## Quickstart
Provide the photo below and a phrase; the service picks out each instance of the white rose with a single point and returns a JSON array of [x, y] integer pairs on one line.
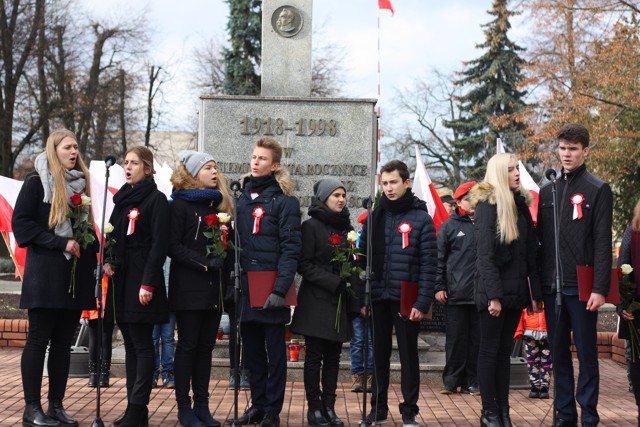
[[108, 228], [224, 217], [86, 200], [352, 236], [626, 269]]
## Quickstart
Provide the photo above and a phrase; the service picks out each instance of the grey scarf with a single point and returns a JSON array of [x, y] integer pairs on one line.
[[75, 183]]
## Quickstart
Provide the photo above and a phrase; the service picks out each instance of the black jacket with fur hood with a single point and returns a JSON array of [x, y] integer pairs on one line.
[[502, 270]]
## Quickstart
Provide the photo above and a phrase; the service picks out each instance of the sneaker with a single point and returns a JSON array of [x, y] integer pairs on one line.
[[544, 393], [168, 381], [409, 420], [376, 418], [448, 390], [534, 393], [154, 383], [472, 390], [369, 382], [356, 387], [245, 384]]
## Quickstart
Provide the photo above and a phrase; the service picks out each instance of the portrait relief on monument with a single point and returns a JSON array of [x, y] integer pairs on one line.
[[287, 21]]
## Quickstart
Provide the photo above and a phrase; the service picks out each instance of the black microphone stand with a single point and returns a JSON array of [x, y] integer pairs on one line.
[[367, 317], [97, 422], [558, 306], [235, 187]]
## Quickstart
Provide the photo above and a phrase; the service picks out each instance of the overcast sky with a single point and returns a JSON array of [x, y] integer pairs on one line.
[[422, 35]]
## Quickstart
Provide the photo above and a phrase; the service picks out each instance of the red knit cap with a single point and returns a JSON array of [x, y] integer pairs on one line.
[[463, 190]]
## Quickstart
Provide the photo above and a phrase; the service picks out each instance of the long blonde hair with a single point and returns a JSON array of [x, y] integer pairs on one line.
[[498, 176], [225, 205], [60, 200], [635, 222]]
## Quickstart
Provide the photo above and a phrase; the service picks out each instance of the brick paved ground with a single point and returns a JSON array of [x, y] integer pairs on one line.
[[617, 407]]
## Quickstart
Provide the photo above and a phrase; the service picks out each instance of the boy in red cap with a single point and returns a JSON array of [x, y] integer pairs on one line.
[[455, 289]]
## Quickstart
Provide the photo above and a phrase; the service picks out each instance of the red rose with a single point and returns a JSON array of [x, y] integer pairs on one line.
[[76, 199], [335, 239], [211, 220]]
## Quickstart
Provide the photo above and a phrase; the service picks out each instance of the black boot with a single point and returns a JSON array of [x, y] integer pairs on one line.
[[187, 417], [57, 412], [504, 416], [118, 421], [104, 373], [93, 374], [490, 419], [35, 416], [316, 418], [204, 414], [332, 417], [136, 416]]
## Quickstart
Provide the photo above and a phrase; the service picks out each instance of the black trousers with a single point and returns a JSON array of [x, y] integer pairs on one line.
[[53, 327], [461, 348], [494, 358], [197, 330], [321, 355], [386, 316], [266, 359], [107, 338], [140, 360]]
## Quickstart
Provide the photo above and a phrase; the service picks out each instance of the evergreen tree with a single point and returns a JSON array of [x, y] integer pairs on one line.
[[242, 59], [488, 108]]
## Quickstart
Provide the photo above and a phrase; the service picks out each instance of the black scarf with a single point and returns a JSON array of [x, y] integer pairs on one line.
[[378, 241], [128, 197], [257, 184], [321, 212]]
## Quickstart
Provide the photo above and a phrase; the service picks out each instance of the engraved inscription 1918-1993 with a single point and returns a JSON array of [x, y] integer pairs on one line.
[[277, 126]]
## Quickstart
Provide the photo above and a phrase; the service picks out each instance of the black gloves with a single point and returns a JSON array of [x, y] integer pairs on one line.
[[215, 263], [273, 302]]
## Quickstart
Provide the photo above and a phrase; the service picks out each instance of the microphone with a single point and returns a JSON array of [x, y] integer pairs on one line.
[[550, 174], [110, 161], [235, 186], [366, 202]]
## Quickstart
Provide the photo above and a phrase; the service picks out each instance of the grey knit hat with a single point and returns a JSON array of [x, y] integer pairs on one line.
[[194, 160], [323, 188]]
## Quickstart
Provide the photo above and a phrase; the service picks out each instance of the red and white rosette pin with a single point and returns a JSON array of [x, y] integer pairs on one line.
[[133, 216], [577, 200], [257, 213], [225, 233], [405, 228]]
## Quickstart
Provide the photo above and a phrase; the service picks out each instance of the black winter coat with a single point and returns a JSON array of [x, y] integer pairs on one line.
[[457, 259], [276, 247], [141, 255], [415, 263], [585, 241], [318, 298], [507, 272], [192, 285], [47, 272]]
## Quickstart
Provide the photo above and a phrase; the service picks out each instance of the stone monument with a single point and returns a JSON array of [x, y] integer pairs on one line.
[[321, 137]]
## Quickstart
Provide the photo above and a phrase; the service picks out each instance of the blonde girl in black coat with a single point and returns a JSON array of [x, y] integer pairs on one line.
[[506, 278]]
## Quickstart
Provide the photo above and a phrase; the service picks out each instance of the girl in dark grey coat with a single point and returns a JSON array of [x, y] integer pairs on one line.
[[506, 278], [323, 301], [40, 224], [197, 280]]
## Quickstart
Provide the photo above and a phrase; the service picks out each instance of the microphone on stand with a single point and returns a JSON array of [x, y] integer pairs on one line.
[[366, 202], [550, 174], [235, 186], [110, 161]]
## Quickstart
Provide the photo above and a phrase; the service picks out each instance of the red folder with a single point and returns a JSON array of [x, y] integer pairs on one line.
[[585, 284], [408, 297], [261, 284]]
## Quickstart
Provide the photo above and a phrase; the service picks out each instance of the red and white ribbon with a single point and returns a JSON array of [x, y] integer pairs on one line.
[[356, 257], [405, 228], [257, 213], [225, 233], [577, 200], [133, 216]]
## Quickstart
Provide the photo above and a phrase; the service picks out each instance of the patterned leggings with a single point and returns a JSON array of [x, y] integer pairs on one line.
[[538, 362]]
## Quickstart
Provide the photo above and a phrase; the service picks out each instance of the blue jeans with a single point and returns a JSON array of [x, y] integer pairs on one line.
[[357, 365], [165, 332]]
